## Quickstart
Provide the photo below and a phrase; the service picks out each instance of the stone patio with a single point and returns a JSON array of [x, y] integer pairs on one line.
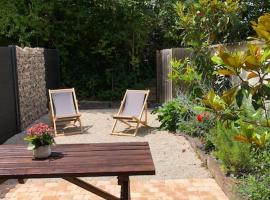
[[179, 172], [182, 189]]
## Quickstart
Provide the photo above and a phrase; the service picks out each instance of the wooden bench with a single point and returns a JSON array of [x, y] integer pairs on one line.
[[70, 161]]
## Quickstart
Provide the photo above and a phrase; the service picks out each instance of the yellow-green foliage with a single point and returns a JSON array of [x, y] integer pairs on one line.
[[249, 134], [255, 62], [262, 28]]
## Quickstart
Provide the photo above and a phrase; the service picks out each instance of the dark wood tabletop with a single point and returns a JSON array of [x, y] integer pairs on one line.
[[78, 160]]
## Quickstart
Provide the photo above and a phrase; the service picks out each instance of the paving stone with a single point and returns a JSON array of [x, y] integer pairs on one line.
[[140, 189]]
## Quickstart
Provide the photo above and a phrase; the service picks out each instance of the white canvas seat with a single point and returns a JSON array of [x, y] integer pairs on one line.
[[64, 107], [132, 108]]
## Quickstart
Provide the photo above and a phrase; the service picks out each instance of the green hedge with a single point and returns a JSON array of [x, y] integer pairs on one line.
[[105, 46]]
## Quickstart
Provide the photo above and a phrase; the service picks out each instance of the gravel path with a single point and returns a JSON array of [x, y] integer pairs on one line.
[[173, 156]]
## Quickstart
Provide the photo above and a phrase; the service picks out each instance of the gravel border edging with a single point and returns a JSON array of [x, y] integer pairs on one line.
[[226, 183], [86, 104]]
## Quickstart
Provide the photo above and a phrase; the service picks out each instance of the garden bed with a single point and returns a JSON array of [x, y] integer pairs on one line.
[[226, 183]]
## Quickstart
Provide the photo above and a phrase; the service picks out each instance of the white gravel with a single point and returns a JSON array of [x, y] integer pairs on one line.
[[173, 156]]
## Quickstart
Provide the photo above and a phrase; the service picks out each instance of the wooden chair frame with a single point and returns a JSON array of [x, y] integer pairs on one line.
[[128, 120], [65, 118]]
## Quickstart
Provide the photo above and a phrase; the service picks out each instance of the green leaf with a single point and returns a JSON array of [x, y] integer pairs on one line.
[[257, 102], [200, 108], [240, 96], [229, 95], [31, 146], [226, 72], [217, 60], [265, 55], [214, 101]]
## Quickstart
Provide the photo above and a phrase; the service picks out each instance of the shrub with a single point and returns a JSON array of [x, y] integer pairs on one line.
[[254, 189], [170, 113], [235, 156], [186, 77], [256, 185], [198, 126]]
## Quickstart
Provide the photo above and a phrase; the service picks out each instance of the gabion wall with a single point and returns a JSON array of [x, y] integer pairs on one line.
[[31, 84]]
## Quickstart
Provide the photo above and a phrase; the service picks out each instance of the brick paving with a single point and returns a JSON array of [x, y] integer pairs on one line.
[[57, 189]]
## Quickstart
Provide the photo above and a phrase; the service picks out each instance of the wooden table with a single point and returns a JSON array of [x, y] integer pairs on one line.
[[70, 161]]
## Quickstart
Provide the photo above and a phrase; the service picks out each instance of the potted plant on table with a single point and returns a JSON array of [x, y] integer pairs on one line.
[[40, 138]]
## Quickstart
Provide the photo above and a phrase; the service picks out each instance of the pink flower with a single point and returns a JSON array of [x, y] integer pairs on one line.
[[39, 130]]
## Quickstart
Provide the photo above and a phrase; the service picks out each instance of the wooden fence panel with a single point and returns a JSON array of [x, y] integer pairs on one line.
[[165, 88]]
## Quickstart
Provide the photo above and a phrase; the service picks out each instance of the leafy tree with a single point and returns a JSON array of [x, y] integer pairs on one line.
[[206, 21], [105, 46], [203, 23]]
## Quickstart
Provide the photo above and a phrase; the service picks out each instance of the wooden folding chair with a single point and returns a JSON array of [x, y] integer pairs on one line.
[[133, 106], [64, 108]]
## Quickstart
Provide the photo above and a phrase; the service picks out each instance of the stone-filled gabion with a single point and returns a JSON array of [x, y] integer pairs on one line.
[[31, 84]]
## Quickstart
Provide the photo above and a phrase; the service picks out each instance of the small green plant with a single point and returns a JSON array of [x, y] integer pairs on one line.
[[253, 189], [170, 113], [197, 126], [185, 72], [256, 185], [235, 157]]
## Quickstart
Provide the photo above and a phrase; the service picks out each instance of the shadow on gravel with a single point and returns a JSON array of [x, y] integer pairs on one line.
[[142, 131]]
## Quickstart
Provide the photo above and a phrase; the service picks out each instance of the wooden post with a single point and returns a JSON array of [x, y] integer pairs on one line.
[[164, 92], [159, 75], [21, 181], [166, 69]]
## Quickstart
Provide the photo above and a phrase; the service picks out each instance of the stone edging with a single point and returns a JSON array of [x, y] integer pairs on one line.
[[84, 104], [226, 183]]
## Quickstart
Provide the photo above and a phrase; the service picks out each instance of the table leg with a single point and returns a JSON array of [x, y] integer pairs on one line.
[[21, 181], [125, 187]]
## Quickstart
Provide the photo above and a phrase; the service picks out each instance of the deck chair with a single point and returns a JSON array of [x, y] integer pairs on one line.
[[64, 108], [132, 108]]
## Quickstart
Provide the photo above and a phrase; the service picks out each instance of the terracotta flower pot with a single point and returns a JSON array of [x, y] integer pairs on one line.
[[42, 152]]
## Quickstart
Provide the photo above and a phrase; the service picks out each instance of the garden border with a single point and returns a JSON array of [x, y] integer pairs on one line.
[[226, 183], [87, 104]]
